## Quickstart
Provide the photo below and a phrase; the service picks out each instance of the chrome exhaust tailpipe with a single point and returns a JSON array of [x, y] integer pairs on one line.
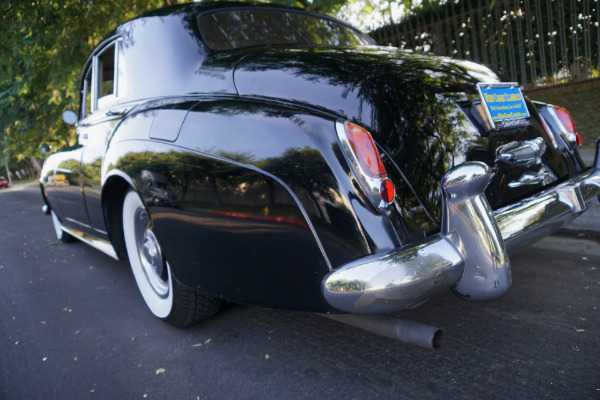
[[408, 332]]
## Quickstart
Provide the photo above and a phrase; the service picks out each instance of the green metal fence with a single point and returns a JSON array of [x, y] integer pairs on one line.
[[534, 42]]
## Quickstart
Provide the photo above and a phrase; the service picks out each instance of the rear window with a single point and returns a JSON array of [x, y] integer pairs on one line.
[[239, 28]]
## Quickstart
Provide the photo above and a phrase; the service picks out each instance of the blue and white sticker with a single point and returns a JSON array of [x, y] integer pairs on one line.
[[504, 104]]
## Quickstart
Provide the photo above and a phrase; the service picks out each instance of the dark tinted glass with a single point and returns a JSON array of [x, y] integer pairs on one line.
[[234, 29]]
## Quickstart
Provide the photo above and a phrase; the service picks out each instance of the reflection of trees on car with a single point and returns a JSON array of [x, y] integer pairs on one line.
[[154, 189], [185, 178]]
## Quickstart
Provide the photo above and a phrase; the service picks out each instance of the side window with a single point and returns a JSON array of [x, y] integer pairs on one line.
[[86, 94], [100, 84], [106, 72]]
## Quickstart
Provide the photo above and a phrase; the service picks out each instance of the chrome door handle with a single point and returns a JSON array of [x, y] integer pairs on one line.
[[523, 153]]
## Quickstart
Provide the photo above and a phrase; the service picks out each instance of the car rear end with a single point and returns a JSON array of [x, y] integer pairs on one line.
[[487, 187], [459, 163]]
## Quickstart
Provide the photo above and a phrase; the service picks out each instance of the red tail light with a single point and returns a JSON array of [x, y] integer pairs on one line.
[[567, 125], [387, 191], [367, 165], [565, 119], [365, 151]]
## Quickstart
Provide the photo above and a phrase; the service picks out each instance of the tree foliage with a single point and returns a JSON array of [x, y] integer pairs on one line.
[[44, 45], [323, 6]]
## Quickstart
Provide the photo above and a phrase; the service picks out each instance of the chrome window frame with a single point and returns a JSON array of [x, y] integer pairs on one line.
[[95, 89]]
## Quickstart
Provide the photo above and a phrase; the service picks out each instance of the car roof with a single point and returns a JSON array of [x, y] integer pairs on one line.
[[193, 9], [214, 5]]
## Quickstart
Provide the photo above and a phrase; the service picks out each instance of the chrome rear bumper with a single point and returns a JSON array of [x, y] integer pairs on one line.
[[530, 220], [470, 255]]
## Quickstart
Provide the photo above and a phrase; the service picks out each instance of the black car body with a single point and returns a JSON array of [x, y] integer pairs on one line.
[[223, 147]]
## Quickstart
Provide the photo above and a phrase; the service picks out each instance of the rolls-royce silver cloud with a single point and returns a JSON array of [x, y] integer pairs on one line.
[[270, 156]]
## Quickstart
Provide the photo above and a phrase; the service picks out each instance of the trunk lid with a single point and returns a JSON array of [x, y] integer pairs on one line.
[[424, 112]]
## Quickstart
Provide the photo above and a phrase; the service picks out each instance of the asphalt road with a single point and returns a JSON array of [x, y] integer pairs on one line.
[[73, 326]]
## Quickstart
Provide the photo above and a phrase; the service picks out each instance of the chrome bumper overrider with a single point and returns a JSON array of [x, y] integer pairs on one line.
[[470, 255]]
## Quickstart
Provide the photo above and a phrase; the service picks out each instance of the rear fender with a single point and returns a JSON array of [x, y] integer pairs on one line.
[[208, 188]]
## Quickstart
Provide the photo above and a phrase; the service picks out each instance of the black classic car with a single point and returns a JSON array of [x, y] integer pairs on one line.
[[270, 156]]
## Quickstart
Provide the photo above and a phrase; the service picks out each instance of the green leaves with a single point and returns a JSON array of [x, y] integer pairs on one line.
[[44, 45]]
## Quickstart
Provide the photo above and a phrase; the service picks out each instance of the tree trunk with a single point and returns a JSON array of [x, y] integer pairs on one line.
[[8, 176], [36, 165], [29, 171]]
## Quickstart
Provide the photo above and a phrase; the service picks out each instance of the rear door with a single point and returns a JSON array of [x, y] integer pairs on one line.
[[67, 183], [78, 175]]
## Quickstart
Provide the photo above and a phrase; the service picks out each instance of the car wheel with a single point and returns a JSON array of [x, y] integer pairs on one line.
[[60, 234], [166, 297]]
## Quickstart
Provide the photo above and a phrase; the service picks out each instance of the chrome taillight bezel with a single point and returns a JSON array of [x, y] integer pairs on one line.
[[570, 137], [371, 186]]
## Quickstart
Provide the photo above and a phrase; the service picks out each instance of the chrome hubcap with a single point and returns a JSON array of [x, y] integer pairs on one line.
[[151, 257]]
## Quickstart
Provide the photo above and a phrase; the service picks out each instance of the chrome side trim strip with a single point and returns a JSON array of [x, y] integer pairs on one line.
[[78, 223], [102, 245]]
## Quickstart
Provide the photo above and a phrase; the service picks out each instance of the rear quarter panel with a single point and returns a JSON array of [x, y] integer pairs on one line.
[[251, 202]]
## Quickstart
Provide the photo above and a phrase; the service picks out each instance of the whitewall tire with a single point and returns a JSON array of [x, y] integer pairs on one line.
[[166, 297], [151, 272]]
